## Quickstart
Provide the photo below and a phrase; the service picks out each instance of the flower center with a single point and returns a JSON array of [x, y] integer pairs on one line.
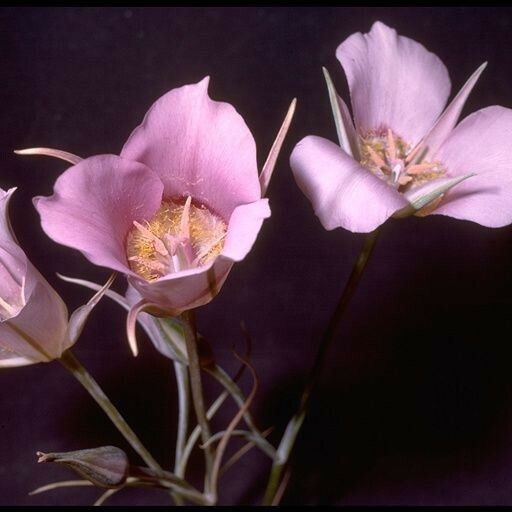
[[390, 158], [180, 236]]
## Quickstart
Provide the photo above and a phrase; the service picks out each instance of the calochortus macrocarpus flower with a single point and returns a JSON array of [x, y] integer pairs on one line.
[[33, 318], [402, 154], [175, 210]]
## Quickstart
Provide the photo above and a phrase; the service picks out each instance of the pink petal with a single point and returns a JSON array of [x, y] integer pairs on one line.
[[342, 192], [6, 231], [481, 143], [169, 343], [94, 205], [184, 290], [33, 317], [38, 332], [180, 291], [394, 82], [13, 273], [244, 226], [199, 148], [10, 360]]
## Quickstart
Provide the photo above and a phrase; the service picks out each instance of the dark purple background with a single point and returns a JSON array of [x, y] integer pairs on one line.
[[415, 402]]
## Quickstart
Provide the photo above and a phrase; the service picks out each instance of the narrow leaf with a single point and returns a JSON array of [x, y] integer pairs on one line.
[[56, 153], [448, 119], [344, 125], [80, 315], [268, 167], [422, 196]]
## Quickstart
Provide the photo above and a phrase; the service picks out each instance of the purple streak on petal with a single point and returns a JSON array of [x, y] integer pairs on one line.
[[38, 332], [244, 226], [394, 82], [94, 205], [199, 148], [14, 347], [448, 119], [481, 144], [342, 192]]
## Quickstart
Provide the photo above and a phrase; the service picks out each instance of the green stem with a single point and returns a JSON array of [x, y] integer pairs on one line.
[[170, 480], [288, 440], [194, 436], [71, 363], [184, 406], [197, 393], [231, 387]]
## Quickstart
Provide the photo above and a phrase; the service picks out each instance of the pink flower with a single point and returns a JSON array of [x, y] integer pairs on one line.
[[402, 155], [33, 318], [175, 210]]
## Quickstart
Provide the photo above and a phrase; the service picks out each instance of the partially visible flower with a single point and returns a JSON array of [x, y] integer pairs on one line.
[[34, 324], [401, 155], [175, 210], [33, 318]]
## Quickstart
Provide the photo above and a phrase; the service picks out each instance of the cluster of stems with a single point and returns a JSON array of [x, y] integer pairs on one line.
[[189, 386]]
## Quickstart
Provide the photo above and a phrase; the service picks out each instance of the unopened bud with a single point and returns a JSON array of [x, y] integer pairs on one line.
[[106, 466]]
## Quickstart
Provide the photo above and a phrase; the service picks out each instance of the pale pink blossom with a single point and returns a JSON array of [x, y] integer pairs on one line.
[[402, 154], [175, 210], [33, 318]]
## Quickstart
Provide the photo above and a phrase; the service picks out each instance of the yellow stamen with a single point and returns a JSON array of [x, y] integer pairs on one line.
[[391, 146], [180, 235], [387, 156]]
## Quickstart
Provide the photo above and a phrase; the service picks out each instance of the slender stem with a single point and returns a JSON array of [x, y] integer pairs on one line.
[[170, 480], [71, 363], [288, 440], [221, 448], [196, 432], [194, 436], [197, 393], [183, 412], [231, 387]]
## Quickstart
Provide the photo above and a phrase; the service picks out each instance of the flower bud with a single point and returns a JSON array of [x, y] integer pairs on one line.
[[106, 466]]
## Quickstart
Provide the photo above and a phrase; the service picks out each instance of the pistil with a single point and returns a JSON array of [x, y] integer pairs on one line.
[[390, 158], [180, 236]]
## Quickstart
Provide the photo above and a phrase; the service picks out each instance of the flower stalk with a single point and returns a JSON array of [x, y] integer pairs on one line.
[[197, 394], [183, 412], [71, 363], [288, 440]]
